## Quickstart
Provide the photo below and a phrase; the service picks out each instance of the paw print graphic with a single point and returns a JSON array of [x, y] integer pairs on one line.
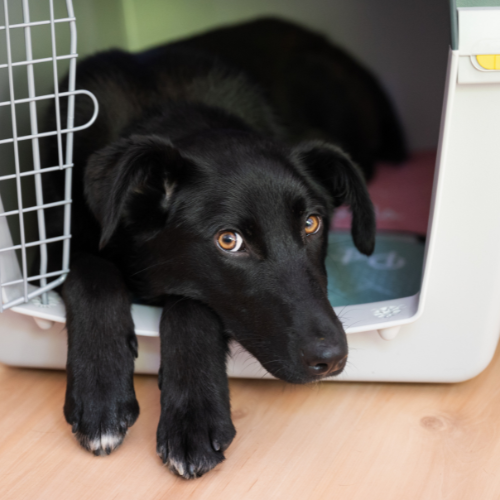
[[387, 311]]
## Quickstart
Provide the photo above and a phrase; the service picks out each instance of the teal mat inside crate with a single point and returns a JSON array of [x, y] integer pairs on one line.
[[394, 270]]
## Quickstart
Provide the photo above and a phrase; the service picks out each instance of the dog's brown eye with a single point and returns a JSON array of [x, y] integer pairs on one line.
[[230, 241], [312, 224]]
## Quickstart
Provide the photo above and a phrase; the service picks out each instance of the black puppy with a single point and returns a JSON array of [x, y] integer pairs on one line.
[[187, 194]]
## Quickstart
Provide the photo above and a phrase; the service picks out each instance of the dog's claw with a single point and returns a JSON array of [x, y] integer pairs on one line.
[[216, 445]]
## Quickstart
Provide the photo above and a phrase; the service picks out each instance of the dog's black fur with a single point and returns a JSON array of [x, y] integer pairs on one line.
[[186, 146]]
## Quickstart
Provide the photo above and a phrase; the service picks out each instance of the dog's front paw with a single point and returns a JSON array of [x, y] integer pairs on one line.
[[100, 423], [192, 442]]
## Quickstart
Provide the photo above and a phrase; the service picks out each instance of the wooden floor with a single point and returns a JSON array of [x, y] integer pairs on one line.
[[328, 441]]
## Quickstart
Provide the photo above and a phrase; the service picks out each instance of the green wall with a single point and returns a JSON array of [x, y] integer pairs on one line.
[[101, 25], [151, 22], [138, 24]]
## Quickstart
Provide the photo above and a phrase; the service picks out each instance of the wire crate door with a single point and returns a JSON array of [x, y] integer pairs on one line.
[[17, 278]]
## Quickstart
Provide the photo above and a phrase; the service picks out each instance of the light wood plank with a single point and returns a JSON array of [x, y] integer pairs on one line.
[[331, 440]]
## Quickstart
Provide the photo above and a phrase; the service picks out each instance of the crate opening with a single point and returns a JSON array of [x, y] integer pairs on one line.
[[362, 286]]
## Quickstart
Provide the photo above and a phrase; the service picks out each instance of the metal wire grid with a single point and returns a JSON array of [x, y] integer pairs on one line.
[[65, 161]]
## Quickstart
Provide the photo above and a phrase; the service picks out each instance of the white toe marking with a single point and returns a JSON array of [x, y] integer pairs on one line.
[[110, 441], [94, 444]]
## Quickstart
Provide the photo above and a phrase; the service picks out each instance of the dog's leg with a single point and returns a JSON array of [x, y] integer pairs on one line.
[[195, 424], [100, 398]]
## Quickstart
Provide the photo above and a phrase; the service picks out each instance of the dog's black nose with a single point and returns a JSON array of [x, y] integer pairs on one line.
[[321, 359]]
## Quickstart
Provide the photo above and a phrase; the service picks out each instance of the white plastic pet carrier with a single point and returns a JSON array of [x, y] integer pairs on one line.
[[447, 331]]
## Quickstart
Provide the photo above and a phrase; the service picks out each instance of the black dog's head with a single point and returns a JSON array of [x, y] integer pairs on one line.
[[240, 224]]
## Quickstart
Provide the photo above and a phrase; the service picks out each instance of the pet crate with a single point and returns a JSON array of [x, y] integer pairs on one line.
[[443, 328]]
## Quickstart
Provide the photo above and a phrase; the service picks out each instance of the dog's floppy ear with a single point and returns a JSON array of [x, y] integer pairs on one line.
[[334, 171], [132, 179]]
